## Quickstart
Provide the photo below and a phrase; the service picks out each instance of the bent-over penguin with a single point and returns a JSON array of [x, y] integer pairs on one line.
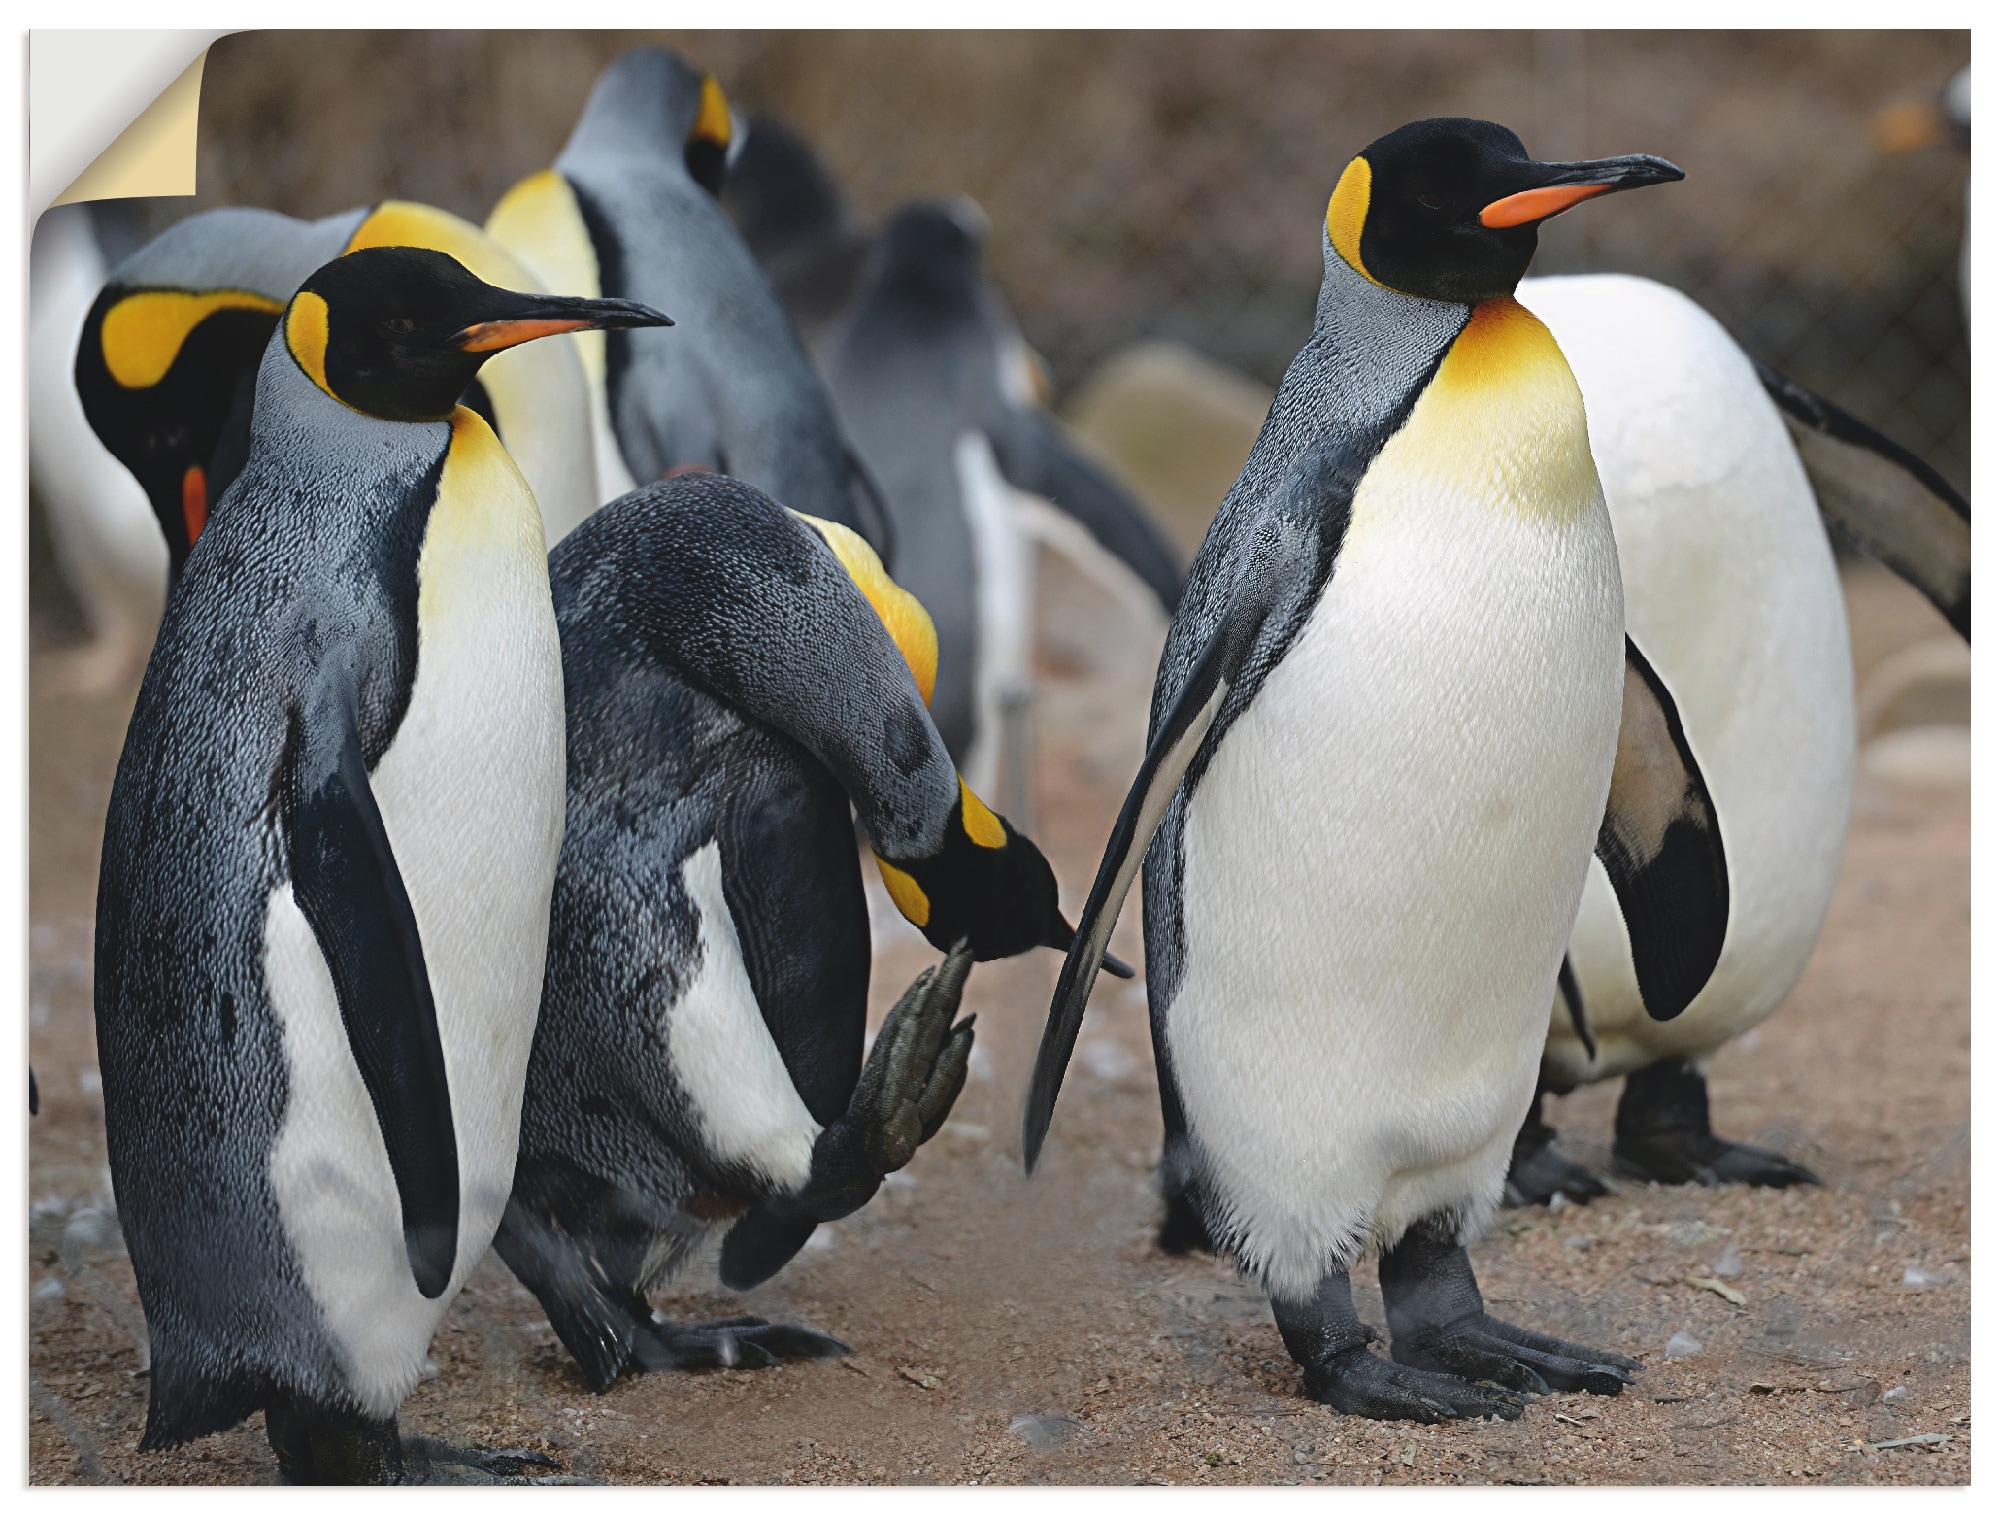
[[735, 675], [930, 380], [1396, 711], [325, 885], [1731, 587], [166, 362], [629, 209]]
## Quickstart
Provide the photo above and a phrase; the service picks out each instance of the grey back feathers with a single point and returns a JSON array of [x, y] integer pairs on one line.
[[729, 388]]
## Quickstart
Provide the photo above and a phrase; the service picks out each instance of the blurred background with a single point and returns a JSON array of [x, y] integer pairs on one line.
[[1166, 188]]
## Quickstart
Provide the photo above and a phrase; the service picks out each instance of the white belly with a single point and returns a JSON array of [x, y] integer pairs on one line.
[[1382, 865], [471, 795], [1732, 592]]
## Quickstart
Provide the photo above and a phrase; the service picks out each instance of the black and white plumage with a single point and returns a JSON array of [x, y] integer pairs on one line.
[[730, 690], [629, 209], [932, 383], [326, 872], [1396, 712]]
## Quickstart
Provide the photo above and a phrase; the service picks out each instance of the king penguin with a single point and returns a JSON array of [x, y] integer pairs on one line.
[[932, 382], [1717, 470], [629, 209], [166, 362], [1396, 713], [736, 675], [324, 893]]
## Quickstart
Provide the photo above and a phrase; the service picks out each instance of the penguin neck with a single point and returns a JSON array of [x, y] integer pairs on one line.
[[638, 110]]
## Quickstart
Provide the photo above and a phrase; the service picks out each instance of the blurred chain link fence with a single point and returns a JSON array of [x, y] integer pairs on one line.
[[1170, 184]]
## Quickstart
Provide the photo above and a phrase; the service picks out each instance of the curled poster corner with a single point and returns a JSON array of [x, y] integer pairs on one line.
[[113, 114]]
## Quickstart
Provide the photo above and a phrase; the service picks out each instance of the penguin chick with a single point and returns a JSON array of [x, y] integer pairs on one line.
[[166, 362], [931, 381], [735, 675], [323, 899], [629, 209], [1396, 712], [1732, 586]]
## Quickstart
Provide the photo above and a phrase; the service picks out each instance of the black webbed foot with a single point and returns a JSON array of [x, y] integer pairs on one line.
[[1330, 1343], [1538, 1172], [740, 1341], [1663, 1134], [316, 1445], [428, 1460], [1438, 1323]]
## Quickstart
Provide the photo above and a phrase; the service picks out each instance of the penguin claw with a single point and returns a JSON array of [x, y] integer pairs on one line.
[[1357, 1382], [1706, 1159], [1524, 1362]]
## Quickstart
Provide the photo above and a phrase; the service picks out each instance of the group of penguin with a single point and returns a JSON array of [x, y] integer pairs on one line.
[[459, 889]]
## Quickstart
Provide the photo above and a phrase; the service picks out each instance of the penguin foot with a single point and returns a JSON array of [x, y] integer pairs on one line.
[[428, 1460], [1438, 1323], [1663, 1134], [1538, 1172], [741, 1341], [1526, 1362], [1357, 1382]]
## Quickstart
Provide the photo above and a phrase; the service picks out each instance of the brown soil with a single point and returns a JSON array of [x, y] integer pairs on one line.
[[974, 1297]]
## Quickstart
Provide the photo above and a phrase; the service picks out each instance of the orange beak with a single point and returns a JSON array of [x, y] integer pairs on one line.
[[496, 336], [1538, 204], [194, 502]]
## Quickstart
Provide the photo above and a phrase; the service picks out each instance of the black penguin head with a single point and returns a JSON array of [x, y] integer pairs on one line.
[[1447, 209], [651, 98], [165, 376], [400, 332], [935, 250]]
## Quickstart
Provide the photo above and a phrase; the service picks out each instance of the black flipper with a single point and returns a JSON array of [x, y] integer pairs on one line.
[[1173, 748], [1883, 498], [1661, 845], [1047, 463], [346, 883]]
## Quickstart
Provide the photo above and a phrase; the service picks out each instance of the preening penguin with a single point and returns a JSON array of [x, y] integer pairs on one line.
[[629, 209], [1732, 588], [1396, 712], [735, 675], [324, 893], [931, 382], [166, 363]]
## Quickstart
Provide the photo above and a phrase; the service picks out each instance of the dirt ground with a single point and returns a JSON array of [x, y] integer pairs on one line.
[[1009, 1331]]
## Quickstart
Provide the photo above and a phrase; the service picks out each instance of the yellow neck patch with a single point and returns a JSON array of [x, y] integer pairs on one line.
[[1504, 417], [907, 893], [981, 824], [1345, 214], [909, 624], [144, 332], [711, 122], [404, 223], [306, 335]]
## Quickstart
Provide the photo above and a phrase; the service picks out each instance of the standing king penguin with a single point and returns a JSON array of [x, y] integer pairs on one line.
[[1396, 712], [167, 359], [629, 209], [931, 381], [325, 885], [735, 675]]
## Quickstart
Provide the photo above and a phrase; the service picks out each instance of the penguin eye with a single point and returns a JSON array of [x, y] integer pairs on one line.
[[400, 325], [1429, 201]]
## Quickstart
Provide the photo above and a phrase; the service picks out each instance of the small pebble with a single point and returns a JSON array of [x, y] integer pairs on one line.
[[1559, 1202], [48, 1290], [1730, 1264], [1681, 1344], [1043, 1430], [1917, 1278], [1578, 1243], [90, 1081], [1896, 1395]]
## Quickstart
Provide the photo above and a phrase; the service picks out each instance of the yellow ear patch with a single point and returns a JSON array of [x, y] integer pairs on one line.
[[305, 336], [711, 122], [908, 895], [1347, 211], [404, 223], [981, 824], [902, 613], [144, 332]]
